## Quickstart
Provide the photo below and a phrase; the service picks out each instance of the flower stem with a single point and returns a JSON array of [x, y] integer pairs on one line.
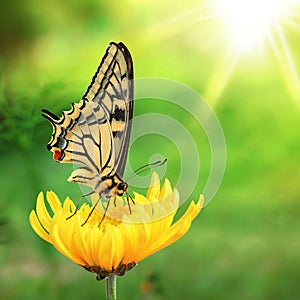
[[111, 287]]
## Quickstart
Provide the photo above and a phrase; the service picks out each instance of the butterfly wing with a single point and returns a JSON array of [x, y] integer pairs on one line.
[[95, 133], [112, 89], [82, 136]]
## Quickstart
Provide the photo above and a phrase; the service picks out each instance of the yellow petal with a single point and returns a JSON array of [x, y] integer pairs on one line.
[[131, 246], [42, 212], [165, 190], [93, 243], [61, 247], [82, 239], [106, 247], [69, 235], [117, 248], [53, 201], [154, 188], [172, 236], [37, 227], [69, 206]]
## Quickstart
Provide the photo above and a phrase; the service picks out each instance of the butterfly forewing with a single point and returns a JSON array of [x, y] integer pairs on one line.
[[112, 88], [95, 133]]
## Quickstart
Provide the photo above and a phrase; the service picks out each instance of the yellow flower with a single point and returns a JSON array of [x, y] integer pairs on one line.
[[122, 239]]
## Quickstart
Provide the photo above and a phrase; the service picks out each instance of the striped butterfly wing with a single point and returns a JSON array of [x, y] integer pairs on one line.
[[95, 133], [112, 89]]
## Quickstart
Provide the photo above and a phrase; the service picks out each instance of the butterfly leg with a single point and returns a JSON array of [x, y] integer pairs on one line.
[[106, 208], [128, 197], [73, 214], [88, 194], [92, 210]]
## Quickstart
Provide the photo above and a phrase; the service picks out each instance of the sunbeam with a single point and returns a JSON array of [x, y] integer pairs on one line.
[[221, 76], [286, 63], [181, 22], [250, 19], [252, 23]]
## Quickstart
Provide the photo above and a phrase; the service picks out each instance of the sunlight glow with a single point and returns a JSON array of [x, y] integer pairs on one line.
[[252, 24], [251, 19], [252, 29]]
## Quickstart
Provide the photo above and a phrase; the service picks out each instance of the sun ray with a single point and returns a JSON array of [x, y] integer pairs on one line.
[[286, 64], [294, 25], [221, 77], [179, 23], [251, 24]]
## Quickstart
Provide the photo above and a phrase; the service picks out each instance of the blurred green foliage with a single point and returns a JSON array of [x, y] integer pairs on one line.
[[245, 244]]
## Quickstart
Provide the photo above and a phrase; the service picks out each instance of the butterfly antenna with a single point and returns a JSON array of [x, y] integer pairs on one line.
[[146, 167]]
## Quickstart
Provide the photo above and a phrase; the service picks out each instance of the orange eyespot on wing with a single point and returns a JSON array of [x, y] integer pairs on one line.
[[56, 154]]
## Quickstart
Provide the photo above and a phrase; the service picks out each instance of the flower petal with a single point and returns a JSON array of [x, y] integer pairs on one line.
[[38, 228], [42, 212], [154, 189], [62, 247], [53, 201], [106, 247], [165, 190], [131, 245], [117, 248]]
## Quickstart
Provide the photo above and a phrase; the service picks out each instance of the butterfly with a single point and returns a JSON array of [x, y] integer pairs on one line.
[[95, 133]]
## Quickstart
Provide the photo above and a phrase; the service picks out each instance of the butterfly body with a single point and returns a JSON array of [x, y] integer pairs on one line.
[[94, 134]]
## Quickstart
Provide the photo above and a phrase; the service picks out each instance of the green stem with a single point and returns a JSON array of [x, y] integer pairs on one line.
[[111, 287]]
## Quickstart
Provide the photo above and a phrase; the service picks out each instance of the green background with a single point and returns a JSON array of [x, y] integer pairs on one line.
[[245, 243]]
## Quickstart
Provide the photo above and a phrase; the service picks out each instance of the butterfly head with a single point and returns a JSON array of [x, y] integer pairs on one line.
[[121, 188]]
